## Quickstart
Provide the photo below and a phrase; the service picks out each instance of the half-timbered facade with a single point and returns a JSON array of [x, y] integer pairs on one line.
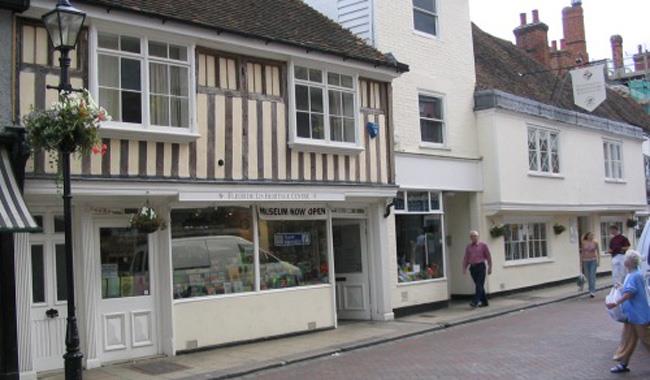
[[268, 156]]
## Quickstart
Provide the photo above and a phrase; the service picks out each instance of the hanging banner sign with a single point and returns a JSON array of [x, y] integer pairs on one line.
[[589, 86]]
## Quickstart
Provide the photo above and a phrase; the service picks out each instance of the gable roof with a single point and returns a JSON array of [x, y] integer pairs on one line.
[[499, 65], [290, 22]]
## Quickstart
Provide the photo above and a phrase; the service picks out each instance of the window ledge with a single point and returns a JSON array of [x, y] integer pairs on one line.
[[545, 175], [430, 36], [324, 147], [135, 131], [422, 282], [434, 146], [615, 181], [253, 293], [518, 263]]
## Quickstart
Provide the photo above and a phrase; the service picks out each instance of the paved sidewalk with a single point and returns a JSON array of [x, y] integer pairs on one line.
[[228, 362]]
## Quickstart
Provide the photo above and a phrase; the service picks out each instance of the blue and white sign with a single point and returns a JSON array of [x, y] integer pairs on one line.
[[291, 239]]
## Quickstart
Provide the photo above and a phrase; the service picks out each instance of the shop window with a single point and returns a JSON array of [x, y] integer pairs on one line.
[[293, 253], [417, 201], [419, 247], [604, 233], [525, 241], [212, 251], [125, 262], [543, 151]]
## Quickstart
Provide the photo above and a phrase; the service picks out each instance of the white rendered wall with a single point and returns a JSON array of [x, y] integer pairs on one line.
[[223, 320], [581, 185]]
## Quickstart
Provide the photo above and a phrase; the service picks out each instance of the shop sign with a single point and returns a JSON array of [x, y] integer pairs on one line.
[[589, 86], [291, 239], [293, 211], [260, 196]]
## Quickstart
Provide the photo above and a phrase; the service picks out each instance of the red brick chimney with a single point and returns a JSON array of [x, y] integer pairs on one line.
[[533, 38], [642, 60], [574, 31], [617, 53]]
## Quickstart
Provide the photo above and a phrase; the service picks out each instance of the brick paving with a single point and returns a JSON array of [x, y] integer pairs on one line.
[[569, 340]]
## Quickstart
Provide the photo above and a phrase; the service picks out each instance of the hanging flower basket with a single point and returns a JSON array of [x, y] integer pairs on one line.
[[558, 229], [631, 223], [147, 220], [498, 231], [70, 125]]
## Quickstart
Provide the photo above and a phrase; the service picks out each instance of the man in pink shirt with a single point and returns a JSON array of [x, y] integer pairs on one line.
[[477, 254]]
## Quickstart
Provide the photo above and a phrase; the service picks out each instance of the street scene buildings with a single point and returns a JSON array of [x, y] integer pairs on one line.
[[307, 163]]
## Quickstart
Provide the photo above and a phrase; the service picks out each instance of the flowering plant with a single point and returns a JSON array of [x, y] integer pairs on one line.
[[558, 229], [147, 220], [70, 125], [498, 231]]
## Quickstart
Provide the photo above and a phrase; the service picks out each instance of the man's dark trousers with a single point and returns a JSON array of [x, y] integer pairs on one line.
[[478, 275]]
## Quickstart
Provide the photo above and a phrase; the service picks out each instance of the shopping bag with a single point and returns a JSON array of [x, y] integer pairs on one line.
[[581, 281], [616, 313]]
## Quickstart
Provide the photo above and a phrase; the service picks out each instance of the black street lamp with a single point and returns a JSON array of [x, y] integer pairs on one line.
[[63, 26]]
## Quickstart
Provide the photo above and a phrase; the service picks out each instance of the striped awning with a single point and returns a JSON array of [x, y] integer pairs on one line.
[[14, 216]]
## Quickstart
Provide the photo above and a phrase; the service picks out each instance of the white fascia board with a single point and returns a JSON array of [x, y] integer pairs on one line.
[[225, 41], [497, 207]]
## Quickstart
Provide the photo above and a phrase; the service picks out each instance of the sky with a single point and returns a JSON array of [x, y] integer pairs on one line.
[[603, 18]]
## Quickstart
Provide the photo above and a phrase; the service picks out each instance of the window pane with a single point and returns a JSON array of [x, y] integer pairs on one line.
[[418, 201], [158, 49], [302, 124], [38, 274], [178, 52], [178, 78], [335, 103], [316, 95], [125, 262], [430, 107], [212, 251], [130, 74], [424, 22], [158, 81], [298, 260], [59, 224], [61, 272], [334, 79], [108, 41], [336, 129], [315, 76], [317, 127], [300, 73], [431, 131], [435, 201], [428, 5], [110, 100], [346, 81], [159, 110], [180, 113], [399, 201], [419, 247], [347, 248], [108, 68], [302, 98], [130, 44], [349, 129], [131, 107], [348, 104]]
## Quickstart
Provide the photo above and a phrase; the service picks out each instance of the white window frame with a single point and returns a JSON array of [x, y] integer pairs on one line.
[[144, 130], [548, 131], [603, 238], [435, 14], [326, 145], [609, 162], [443, 100], [528, 223], [431, 210]]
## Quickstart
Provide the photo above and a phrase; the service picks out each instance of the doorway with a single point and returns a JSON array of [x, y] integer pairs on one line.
[[127, 309], [351, 269]]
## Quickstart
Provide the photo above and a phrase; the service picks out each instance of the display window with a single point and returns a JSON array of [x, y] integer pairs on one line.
[[419, 235]]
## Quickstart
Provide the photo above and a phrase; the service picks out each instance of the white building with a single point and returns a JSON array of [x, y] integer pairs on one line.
[[437, 160]]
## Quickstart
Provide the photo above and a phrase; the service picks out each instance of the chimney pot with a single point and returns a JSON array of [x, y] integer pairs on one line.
[[640, 49], [554, 45], [523, 19], [562, 44], [535, 15]]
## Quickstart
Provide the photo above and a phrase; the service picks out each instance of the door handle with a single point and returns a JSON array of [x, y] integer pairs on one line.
[[341, 279], [52, 313]]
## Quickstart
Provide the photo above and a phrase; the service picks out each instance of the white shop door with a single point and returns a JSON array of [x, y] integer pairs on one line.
[[351, 269], [49, 306], [127, 317]]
